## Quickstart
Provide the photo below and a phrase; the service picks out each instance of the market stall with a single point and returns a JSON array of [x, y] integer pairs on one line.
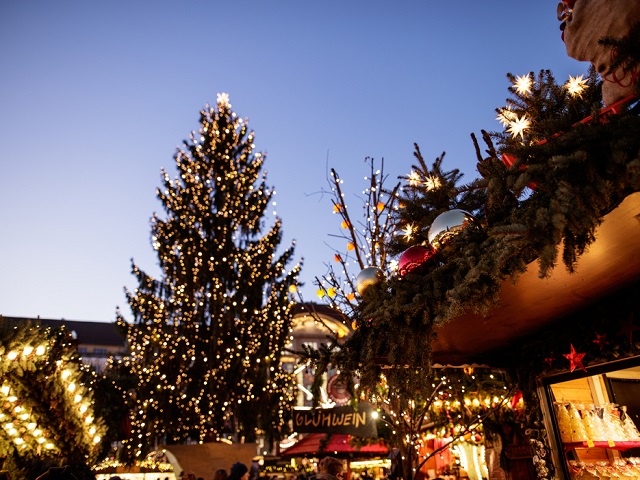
[[573, 340], [366, 457]]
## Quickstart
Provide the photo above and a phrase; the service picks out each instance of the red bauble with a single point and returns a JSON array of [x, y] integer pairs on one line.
[[414, 258]]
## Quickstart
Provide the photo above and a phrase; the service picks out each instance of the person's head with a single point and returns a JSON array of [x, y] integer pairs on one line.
[[220, 474], [239, 471], [330, 465]]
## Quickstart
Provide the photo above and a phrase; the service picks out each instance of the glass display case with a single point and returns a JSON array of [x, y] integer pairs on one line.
[[593, 420]]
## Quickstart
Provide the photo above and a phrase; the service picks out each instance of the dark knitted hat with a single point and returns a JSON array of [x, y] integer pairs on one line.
[[238, 470]]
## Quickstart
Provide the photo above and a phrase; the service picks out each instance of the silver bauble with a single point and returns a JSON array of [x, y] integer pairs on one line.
[[449, 224], [367, 277]]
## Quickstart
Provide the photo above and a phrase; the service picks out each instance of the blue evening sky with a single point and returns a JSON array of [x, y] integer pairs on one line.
[[95, 97]]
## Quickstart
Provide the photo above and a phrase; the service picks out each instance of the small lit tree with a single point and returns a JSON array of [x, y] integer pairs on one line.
[[364, 243], [384, 361]]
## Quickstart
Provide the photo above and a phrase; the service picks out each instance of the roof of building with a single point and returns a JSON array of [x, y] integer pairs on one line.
[[307, 314], [91, 333], [106, 333], [320, 309], [338, 445]]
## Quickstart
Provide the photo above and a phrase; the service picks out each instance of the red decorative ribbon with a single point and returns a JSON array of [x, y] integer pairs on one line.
[[509, 160]]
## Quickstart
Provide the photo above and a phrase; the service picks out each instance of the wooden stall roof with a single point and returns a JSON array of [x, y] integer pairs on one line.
[[611, 262], [339, 445]]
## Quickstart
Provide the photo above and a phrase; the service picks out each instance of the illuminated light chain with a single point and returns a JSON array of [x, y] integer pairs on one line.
[[16, 413], [479, 468], [18, 422], [83, 403], [148, 464]]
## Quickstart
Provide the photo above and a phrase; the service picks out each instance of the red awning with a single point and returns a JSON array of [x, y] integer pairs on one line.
[[318, 444]]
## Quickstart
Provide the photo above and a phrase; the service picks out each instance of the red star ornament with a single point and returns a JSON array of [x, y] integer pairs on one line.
[[575, 359], [601, 340]]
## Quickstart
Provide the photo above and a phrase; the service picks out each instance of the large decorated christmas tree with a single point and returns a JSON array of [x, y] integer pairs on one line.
[[207, 335]]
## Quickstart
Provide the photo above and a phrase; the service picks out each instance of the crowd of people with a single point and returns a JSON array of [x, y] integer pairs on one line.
[[238, 471], [329, 468]]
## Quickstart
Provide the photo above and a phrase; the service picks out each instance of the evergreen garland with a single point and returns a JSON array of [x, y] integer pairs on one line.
[[567, 175], [546, 182]]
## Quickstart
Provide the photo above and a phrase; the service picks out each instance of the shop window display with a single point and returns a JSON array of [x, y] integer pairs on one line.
[[595, 421]]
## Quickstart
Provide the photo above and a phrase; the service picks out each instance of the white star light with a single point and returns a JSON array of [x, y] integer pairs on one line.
[[432, 183], [223, 99], [576, 85], [518, 126], [413, 178], [523, 84], [506, 116], [408, 232]]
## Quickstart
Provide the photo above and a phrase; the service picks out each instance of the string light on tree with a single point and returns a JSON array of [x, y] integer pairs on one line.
[[364, 240], [222, 308], [222, 99]]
